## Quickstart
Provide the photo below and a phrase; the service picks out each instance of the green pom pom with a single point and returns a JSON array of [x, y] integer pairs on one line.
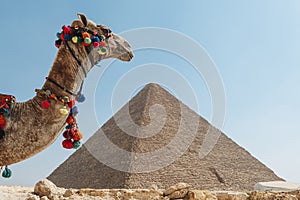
[[79, 39], [87, 40], [58, 35], [76, 144], [102, 37], [69, 126], [6, 173]]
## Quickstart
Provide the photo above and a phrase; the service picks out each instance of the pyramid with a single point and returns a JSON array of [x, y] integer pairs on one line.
[[155, 140]]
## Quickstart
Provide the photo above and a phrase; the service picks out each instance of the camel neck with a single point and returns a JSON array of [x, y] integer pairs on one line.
[[69, 70]]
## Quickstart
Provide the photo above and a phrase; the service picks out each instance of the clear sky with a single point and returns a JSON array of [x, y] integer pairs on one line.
[[254, 44]]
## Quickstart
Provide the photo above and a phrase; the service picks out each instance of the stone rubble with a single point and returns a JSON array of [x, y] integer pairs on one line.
[[46, 190]]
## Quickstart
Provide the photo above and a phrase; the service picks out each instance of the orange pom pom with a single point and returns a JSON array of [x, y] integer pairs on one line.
[[77, 135], [86, 35]]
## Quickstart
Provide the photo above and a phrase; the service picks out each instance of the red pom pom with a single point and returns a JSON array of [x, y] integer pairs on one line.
[[2, 121], [67, 30], [62, 36], [70, 120], [46, 104], [85, 44], [68, 144], [96, 44], [102, 44], [69, 134], [71, 104]]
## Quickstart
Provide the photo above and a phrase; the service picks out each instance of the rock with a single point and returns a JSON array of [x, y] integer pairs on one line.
[[45, 188], [68, 193], [257, 195], [201, 195], [177, 187], [32, 197], [231, 195], [179, 194], [276, 186]]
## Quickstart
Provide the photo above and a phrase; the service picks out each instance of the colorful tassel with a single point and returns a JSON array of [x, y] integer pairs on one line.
[[6, 173]]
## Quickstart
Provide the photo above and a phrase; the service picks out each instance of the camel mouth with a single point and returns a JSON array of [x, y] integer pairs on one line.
[[127, 57]]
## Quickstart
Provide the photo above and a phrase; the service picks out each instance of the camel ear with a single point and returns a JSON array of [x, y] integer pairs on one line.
[[83, 19], [77, 23]]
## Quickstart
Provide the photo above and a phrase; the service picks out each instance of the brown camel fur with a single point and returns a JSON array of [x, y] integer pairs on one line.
[[30, 128]]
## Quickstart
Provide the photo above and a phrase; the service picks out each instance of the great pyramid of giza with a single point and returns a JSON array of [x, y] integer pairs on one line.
[[155, 140]]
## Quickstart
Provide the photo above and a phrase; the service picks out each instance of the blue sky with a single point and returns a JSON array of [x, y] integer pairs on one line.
[[254, 44]]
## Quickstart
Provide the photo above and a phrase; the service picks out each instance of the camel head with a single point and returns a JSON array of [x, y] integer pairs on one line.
[[117, 47]]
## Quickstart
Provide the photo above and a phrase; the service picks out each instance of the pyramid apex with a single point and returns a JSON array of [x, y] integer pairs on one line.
[[153, 86]]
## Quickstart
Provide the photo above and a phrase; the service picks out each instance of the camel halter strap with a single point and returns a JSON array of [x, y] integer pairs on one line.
[[64, 88], [88, 39]]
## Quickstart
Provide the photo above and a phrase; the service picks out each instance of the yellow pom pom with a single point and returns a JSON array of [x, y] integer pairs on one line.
[[75, 39], [63, 111]]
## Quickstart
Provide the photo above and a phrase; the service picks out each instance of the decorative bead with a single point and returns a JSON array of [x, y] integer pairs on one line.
[[6, 173], [76, 144], [85, 35], [95, 33], [76, 27], [75, 39], [46, 104], [68, 144], [58, 35], [63, 111]]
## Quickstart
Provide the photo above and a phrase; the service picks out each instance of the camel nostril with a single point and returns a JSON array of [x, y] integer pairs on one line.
[[131, 55]]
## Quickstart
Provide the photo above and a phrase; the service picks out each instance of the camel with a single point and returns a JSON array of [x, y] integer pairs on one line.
[[31, 127]]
